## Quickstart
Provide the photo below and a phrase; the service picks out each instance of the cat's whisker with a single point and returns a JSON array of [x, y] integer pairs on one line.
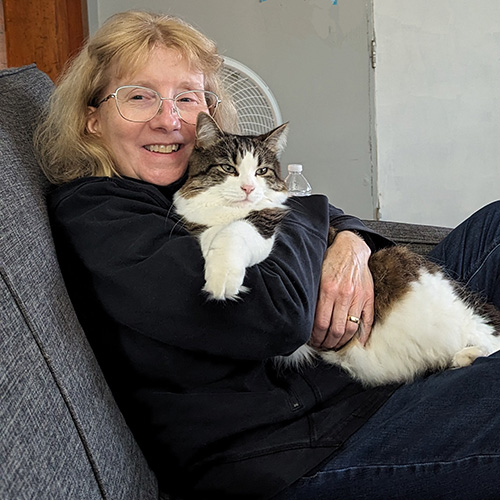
[[180, 221], [170, 210], [174, 226]]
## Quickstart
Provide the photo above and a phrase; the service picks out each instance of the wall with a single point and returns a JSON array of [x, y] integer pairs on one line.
[[314, 56], [437, 98]]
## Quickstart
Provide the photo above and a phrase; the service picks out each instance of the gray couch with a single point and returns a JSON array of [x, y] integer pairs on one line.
[[61, 433]]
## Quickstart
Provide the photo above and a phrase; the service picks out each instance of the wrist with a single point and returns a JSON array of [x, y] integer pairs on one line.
[[356, 241]]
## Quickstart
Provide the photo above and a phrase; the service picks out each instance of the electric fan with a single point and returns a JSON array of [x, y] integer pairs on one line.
[[257, 108]]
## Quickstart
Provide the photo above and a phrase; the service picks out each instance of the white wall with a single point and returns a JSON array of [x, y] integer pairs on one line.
[[437, 87], [314, 57]]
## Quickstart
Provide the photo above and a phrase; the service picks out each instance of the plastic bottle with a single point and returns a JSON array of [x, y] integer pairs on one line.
[[295, 181]]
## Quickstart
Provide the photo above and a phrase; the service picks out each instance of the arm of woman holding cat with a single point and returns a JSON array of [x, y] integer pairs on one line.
[[152, 273], [346, 287]]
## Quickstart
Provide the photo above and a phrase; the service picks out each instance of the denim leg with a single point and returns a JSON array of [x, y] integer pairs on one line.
[[471, 252], [438, 437]]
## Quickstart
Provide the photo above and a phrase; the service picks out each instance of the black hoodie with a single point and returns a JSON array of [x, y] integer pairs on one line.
[[192, 377]]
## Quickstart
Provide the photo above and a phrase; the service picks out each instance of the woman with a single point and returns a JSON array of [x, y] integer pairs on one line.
[[214, 418]]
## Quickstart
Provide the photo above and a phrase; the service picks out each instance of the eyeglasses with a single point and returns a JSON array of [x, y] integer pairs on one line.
[[140, 104]]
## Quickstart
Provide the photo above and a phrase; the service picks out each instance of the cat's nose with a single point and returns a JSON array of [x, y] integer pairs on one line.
[[247, 188]]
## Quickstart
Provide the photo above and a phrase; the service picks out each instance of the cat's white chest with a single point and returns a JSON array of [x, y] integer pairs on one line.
[[209, 208], [230, 243]]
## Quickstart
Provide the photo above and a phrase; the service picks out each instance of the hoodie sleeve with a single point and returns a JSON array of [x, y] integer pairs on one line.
[[342, 222]]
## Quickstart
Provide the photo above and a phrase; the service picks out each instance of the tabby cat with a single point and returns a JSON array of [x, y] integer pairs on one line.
[[423, 320]]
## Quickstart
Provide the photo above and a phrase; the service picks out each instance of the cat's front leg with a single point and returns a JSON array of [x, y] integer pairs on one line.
[[228, 251]]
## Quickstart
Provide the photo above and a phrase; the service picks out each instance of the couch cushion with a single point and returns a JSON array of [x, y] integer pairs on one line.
[[61, 434], [420, 238]]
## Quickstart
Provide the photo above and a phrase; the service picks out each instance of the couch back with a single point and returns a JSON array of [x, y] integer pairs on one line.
[[61, 433], [420, 238]]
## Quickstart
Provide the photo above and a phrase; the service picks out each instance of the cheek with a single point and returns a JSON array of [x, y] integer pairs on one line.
[[189, 135], [120, 142], [118, 146], [111, 130], [122, 136], [188, 149]]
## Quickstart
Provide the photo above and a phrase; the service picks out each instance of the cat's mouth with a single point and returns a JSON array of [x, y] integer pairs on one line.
[[248, 200], [163, 148], [239, 203]]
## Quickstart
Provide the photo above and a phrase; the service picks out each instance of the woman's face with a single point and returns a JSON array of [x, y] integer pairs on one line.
[[156, 151]]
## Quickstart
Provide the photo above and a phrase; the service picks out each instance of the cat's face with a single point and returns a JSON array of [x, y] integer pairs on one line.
[[233, 170]]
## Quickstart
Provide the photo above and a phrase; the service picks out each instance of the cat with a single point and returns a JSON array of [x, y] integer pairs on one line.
[[234, 192], [424, 321]]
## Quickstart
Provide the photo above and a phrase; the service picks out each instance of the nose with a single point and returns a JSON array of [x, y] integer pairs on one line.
[[247, 188], [167, 116]]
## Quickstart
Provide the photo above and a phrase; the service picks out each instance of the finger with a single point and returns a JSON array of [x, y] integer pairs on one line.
[[324, 312], [352, 325], [364, 334], [366, 322], [353, 322], [322, 320], [349, 333], [345, 329], [339, 332], [347, 325]]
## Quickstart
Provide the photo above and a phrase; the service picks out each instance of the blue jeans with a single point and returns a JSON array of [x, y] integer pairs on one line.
[[438, 437], [471, 253]]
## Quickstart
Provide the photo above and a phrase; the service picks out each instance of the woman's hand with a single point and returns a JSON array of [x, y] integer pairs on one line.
[[346, 289]]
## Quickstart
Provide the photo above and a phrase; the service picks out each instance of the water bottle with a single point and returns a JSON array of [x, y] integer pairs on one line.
[[296, 182]]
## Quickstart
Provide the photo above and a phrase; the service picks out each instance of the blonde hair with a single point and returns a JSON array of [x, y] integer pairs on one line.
[[66, 149]]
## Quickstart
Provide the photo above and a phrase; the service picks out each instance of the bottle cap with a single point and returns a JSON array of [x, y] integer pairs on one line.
[[295, 167]]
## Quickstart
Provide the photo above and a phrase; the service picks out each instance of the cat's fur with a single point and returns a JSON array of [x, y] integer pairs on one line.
[[233, 194], [423, 321]]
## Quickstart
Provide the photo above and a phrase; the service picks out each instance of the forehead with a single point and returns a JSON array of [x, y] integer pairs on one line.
[[249, 162], [161, 67]]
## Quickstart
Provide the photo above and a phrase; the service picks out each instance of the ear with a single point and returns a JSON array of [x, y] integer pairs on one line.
[[207, 131], [93, 122], [276, 139]]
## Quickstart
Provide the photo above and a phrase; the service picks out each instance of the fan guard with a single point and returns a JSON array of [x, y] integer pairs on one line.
[[257, 108]]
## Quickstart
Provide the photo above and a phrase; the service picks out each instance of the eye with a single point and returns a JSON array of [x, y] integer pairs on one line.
[[261, 171], [188, 98], [229, 169], [134, 95]]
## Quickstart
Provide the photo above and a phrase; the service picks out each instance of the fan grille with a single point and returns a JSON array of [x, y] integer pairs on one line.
[[256, 113]]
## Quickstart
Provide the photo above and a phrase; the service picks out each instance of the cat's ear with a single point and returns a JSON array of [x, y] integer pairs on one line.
[[207, 131], [276, 139]]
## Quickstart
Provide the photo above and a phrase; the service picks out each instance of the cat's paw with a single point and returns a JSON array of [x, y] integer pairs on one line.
[[224, 283], [466, 356]]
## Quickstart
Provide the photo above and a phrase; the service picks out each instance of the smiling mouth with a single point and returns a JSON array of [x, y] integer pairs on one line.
[[162, 148]]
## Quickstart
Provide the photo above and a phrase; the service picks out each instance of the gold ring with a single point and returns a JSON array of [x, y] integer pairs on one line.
[[354, 319]]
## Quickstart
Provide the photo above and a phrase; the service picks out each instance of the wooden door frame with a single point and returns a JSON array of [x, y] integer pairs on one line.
[[45, 32]]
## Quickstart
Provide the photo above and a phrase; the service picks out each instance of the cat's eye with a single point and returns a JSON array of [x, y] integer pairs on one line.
[[261, 171], [229, 169]]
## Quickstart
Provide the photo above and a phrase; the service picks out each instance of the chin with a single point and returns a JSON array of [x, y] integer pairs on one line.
[[164, 178]]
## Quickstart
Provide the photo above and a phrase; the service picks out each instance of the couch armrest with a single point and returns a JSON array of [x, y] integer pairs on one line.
[[419, 237]]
